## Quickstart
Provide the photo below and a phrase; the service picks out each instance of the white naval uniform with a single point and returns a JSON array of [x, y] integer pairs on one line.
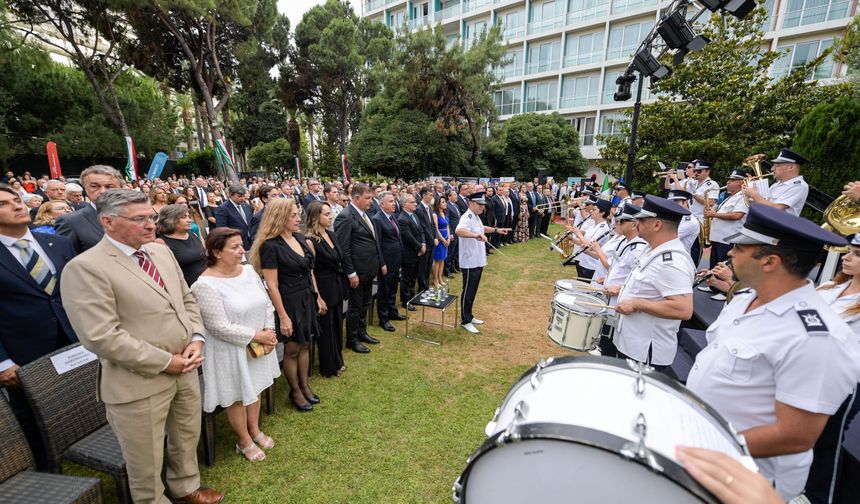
[[473, 253], [664, 271], [584, 225], [623, 264], [688, 231], [699, 189], [721, 229], [795, 350], [596, 232], [792, 192], [610, 248], [840, 304]]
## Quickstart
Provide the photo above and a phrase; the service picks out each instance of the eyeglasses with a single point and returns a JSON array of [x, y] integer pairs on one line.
[[140, 220]]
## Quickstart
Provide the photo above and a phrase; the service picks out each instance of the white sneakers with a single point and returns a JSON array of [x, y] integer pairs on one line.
[[704, 288], [471, 328], [477, 321], [719, 297]]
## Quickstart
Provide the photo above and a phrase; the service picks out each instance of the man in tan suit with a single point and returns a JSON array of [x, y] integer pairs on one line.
[[128, 302]]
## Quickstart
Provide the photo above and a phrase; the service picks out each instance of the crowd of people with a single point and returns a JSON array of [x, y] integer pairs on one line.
[[165, 279]]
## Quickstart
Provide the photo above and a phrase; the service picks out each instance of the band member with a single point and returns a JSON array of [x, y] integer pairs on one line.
[[790, 190], [473, 256], [728, 217], [705, 192], [779, 360], [637, 198], [622, 190], [689, 227], [599, 232], [681, 177], [658, 294]]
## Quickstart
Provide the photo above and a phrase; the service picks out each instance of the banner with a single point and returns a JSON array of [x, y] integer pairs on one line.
[[224, 160], [298, 168], [483, 180], [131, 156], [506, 179], [573, 180], [345, 166], [157, 165], [54, 161]]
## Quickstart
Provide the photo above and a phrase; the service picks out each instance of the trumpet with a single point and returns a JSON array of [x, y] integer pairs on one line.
[[550, 206], [662, 173]]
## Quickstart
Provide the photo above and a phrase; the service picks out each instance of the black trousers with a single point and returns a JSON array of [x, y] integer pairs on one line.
[[719, 252], [386, 296], [408, 274], [828, 455], [661, 369], [452, 262], [425, 263], [696, 252], [356, 313], [534, 225], [471, 280], [544, 223], [584, 272]]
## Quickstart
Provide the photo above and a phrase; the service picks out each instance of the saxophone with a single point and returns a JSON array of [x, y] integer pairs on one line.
[[705, 228]]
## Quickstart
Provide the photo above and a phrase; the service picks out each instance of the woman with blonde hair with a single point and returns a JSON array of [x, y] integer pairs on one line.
[[48, 212], [281, 254], [158, 198]]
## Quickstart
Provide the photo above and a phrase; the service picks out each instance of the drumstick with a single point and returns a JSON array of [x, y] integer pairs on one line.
[[595, 305], [589, 287], [494, 248]]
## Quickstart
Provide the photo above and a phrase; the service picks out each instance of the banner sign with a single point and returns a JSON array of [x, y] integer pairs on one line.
[[506, 179], [54, 161], [157, 165]]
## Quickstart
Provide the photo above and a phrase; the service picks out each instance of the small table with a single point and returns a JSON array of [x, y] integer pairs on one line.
[[443, 305]]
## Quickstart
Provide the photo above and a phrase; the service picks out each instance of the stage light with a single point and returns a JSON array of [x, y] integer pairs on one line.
[[624, 83], [678, 34], [647, 65], [737, 8]]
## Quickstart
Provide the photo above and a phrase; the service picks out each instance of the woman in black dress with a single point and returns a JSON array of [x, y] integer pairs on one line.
[[286, 262], [174, 230], [328, 271]]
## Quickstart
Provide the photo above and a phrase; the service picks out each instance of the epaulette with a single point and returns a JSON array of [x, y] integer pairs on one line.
[[667, 256], [812, 322]]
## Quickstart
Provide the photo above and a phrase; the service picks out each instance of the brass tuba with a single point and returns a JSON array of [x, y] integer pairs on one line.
[[753, 162], [842, 217]]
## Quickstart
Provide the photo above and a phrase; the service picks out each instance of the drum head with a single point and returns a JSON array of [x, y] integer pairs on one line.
[[570, 300], [566, 285]]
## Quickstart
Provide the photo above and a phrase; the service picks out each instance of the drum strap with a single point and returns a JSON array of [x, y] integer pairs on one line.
[[632, 245]]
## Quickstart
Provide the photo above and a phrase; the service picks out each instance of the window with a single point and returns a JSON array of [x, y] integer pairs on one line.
[[583, 49], [514, 24], [767, 24], [611, 125], [546, 16], [619, 6], [397, 19], [586, 10], [470, 5], [448, 10], [515, 66], [420, 15], [585, 127], [507, 101], [623, 40], [541, 96], [474, 32], [578, 91], [544, 56], [804, 12], [800, 54]]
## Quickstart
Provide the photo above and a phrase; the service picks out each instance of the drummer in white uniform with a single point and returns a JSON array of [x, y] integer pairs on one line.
[[779, 360], [658, 294], [789, 192], [689, 227]]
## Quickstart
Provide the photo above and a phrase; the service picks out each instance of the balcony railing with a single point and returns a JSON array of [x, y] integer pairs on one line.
[[546, 24], [509, 71], [579, 101], [447, 12], [420, 21], [816, 14], [373, 5], [539, 105], [582, 58], [619, 6], [585, 15], [543, 66], [471, 5], [514, 32]]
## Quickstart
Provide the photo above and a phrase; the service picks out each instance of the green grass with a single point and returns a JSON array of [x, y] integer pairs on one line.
[[400, 423]]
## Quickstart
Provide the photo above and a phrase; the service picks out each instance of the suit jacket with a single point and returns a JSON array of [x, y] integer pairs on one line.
[[374, 208], [310, 198], [427, 225], [360, 249], [412, 237], [462, 204], [454, 215], [120, 314], [227, 216], [515, 201], [255, 224], [82, 228], [34, 321], [389, 241], [500, 209]]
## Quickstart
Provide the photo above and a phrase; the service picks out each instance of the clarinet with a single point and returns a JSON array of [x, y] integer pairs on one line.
[[709, 274], [604, 235]]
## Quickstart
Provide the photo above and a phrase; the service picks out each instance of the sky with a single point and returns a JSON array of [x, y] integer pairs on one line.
[[295, 9]]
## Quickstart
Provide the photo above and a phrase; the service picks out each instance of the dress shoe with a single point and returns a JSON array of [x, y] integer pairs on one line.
[[411, 308], [358, 348], [202, 495], [304, 408], [366, 338], [472, 329], [397, 316], [313, 399], [387, 326]]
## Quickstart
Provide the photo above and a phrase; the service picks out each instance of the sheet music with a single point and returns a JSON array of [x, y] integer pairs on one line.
[[763, 187]]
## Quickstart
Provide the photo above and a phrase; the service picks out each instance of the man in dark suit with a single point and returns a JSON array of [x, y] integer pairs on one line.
[[547, 214], [362, 258], [235, 213], [34, 321], [534, 198], [392, 255], [514, 196], [414, 248], [82, 228], [501, 211], [452, 261], [462, 194], [313, 193], [265, 193], [424, 212]]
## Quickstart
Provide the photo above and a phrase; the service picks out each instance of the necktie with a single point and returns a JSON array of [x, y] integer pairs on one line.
[[394, 225], [149, 268], [412, 216], [35, 266], [367, 221], [241, 213]]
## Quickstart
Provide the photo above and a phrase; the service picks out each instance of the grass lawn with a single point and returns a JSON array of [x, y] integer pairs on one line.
[[400, 423]]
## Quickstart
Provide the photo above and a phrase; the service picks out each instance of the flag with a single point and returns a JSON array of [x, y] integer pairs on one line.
[[157, 165], [224, 160], [345, 166], [298, 168], [605, 187], [54, 161], [131, 156]]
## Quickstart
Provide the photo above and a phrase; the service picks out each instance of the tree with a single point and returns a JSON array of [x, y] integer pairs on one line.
[[528, 143], [829, 136], [721, 104], [277, 157]]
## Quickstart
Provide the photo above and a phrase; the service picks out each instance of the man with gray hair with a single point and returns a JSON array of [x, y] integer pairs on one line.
[[236, 213], [129, 305], [83, 227], [55, 190], [74, 196]]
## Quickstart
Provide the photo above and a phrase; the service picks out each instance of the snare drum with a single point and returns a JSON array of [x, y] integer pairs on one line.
[[574, 326], [570, 285], [594, 430]]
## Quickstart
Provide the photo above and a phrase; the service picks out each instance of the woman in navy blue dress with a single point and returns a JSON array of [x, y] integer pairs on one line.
[[440, 251]]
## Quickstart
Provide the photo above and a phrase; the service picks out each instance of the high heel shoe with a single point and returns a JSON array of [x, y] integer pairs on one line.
[[313, 399], [248, 452], [302, 407]]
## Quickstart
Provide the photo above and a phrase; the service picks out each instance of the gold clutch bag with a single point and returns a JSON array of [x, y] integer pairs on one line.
[[255, 349]]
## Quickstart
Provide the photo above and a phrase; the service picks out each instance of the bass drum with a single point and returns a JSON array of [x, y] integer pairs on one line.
[[573, 325], [591, 429]]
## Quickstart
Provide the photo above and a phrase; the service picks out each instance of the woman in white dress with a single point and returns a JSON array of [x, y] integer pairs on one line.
[[236, 312]]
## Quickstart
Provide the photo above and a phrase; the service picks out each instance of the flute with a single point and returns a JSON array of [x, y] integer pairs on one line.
[[708, 274], [604, 235]]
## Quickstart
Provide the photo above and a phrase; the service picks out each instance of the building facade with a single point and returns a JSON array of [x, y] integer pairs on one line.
[[566, 54]]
